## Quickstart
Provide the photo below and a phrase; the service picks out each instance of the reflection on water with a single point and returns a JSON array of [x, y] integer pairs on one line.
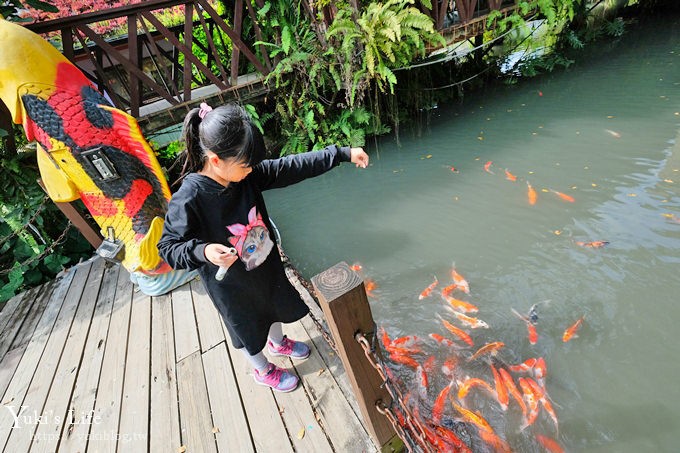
[[604, 132]]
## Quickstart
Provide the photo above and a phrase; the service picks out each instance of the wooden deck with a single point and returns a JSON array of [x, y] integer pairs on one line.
[[89, 364]]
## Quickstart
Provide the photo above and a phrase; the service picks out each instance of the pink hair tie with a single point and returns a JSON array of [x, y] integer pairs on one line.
[[205, 108]]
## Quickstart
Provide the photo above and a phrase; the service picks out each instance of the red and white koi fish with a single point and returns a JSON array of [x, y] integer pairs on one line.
[[444, 341], [405, 342], [544, 400], [489, 348], [449, 366], [527, 365], [427, 291], [461, 305], [465, 387], [564, 196], [512, 389], [531, 194], [469, 321], [509, 176], [460, 333], [593, 244], [423, 382], [532, 402], [501, 389], [449, 289], [549, 444], [460, 281], [540, 370], [356, 267], [487, 166], [571, 331]]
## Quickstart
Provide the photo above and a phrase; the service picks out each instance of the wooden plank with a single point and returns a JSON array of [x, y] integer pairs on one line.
[[303, 428], [8, 309], [32, 397], [229, 416], [343, 300], [186, 333], [74, 437], [104, 434], [21, 377], [164, 430], [266, 426], [208, 319], [194, 406], [343, 427], [8, 334], [11, 360], [133, 430], [47, 435]]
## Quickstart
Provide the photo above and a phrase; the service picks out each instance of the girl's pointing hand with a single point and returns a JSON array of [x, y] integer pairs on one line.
[[359, 157]]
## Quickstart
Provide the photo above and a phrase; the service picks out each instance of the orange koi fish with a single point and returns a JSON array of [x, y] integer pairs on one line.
[[549, 444], [531, 193], [404, 350], [527, 365], [370, 286], [571, 331], [428, 365], [487, 166], [495, 441], [356, 267], [444, 341], [469, 321], [406, 341], [489, 348], [512, 389], [531, 400], [427, 291], [531, 328], [564, 196], [452, 439], [461, 305], [438, 406], [501, 390], [509, 176], [387, 343], [460, 333], [449, 289], [593, 244], [404, 360], [474, 418], [460, 281], [465, 387]]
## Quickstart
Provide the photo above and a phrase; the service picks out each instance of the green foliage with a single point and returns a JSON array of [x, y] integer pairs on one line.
[[12, 10], [29, 227]]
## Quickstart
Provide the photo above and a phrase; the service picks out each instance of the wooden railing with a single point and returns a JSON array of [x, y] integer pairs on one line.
[[450, 15], [158, 62]]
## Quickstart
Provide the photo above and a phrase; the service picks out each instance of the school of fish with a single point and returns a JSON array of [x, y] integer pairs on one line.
[[459, 412]]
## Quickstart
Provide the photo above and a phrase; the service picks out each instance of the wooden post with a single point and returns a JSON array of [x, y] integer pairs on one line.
[[343, 299]]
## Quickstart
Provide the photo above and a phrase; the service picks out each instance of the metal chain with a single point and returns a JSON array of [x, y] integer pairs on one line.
[[414, 434], [310, 289], [45, 252], [30, 221]]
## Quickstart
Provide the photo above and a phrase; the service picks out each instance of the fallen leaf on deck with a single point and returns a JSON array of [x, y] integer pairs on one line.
[[215, 430], [301, 433], [182, 449], [318, 373]]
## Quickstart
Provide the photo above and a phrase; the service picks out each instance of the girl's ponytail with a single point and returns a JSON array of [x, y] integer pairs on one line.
[[193, 154]]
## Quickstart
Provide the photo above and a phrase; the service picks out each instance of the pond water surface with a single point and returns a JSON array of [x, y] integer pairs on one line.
[[605, 132]]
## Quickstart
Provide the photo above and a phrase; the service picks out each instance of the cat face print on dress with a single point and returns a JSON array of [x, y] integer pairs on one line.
[[251, 241]]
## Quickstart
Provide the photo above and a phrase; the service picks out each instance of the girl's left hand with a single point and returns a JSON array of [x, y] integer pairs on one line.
[[359, 157]]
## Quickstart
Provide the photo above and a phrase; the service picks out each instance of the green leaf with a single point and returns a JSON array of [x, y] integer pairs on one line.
[[286, 38], [43, 6]]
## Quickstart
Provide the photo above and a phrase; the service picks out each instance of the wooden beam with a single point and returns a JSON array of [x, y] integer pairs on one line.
[[343, 299]]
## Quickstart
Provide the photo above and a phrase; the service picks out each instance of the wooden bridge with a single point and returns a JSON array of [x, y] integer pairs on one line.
[[88, 363], [158, 72]]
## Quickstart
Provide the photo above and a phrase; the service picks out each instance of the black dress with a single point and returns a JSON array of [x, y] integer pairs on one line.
[[255, 292]]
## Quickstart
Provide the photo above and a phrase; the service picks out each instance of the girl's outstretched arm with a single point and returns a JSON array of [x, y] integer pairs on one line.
[[282, 172]]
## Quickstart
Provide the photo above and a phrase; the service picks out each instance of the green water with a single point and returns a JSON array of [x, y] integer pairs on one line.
[[409, 217]]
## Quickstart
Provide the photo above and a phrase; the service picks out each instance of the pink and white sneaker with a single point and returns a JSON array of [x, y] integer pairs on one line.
[[289, 348], [277, 378]]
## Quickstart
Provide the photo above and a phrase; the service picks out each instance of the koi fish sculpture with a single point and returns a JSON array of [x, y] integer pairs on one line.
[[90, 150]]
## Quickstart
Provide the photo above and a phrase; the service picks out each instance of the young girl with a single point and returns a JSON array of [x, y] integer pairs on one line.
[[218, 209]]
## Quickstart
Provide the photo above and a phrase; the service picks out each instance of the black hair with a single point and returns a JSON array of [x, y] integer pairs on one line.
[[226, 131]]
